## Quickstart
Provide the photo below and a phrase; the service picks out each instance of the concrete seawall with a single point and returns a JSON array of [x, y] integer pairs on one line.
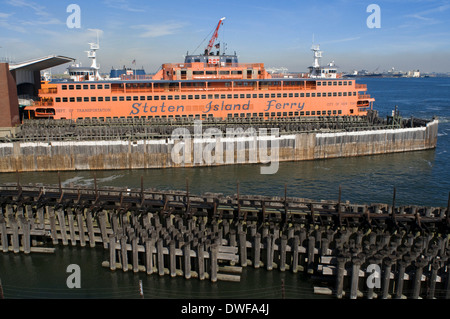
[[159, 153]]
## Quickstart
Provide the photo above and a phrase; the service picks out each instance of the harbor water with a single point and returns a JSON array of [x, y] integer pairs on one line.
[[420, 178]]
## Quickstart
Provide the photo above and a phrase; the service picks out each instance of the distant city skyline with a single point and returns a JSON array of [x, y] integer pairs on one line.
[[412, 35]]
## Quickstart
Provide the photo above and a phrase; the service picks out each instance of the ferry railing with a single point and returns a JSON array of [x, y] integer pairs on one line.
[[360, 86]]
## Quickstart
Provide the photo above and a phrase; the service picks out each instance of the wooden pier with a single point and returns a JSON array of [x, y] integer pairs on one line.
[[212, 236]]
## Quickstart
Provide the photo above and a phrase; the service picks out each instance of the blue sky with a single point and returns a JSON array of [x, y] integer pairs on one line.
[[413, 35]]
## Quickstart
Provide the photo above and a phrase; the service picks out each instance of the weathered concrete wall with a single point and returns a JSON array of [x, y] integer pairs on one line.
[[90, 155]]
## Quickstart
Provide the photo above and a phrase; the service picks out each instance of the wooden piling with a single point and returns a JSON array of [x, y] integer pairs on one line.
[[243, 248], [149, 245], [124, 253], [356, 264], [340, 276], [160, 254], [112, 252], [257, 250], [213, 262], [187, 260], [283, 246], [62, 226]]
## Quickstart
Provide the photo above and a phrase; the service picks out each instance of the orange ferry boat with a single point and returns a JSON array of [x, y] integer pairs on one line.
[[206, 85]]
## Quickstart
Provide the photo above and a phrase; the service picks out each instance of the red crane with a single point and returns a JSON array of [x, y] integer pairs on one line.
[[214, 37]]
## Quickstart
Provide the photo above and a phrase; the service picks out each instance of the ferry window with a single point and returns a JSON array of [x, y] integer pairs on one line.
[[261, 96], [296, 95], [121, 98], [284, 113], [64, 87], [329, 93], [135, 98], [255, 96], [99, 86], [190, 97], [93, 99], [351, 111], [278, 94], [313, 94], [307, 112], [334, 82], [345, 82], [156, 98], [236, 96], [197, 97], [339, 111], [319, 94], [216, 96], [224, 72], [284, 94], [198, 73], [249, 96], [71, 87], [272, 114], [210, 96], [313, 112], [86, 99], [142, 98], [291, 113], [291, 95], [114, 98], [242, 96], [177, 97], [85, 86], [302, 94], [354, 93], [170, 97], [345, 93], [334, 93], [58, 99], [78, 87], [64, 99], [107, 99], [222, 96], [339, 93], [242, 114], [334, 112], [106, 86], [261, 114], [319, 83], [272, 95], [79, 99], [307, 94], [340, 83], [92, 86], [163, 97], [203, 97], [230, 115], [329, 112], [183, 97], [267, 95], [267, 115]]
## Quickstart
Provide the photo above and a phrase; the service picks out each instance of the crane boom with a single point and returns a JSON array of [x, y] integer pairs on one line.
[[214, 37]]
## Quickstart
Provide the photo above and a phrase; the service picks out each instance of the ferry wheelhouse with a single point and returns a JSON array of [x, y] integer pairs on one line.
[[205, 85]]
